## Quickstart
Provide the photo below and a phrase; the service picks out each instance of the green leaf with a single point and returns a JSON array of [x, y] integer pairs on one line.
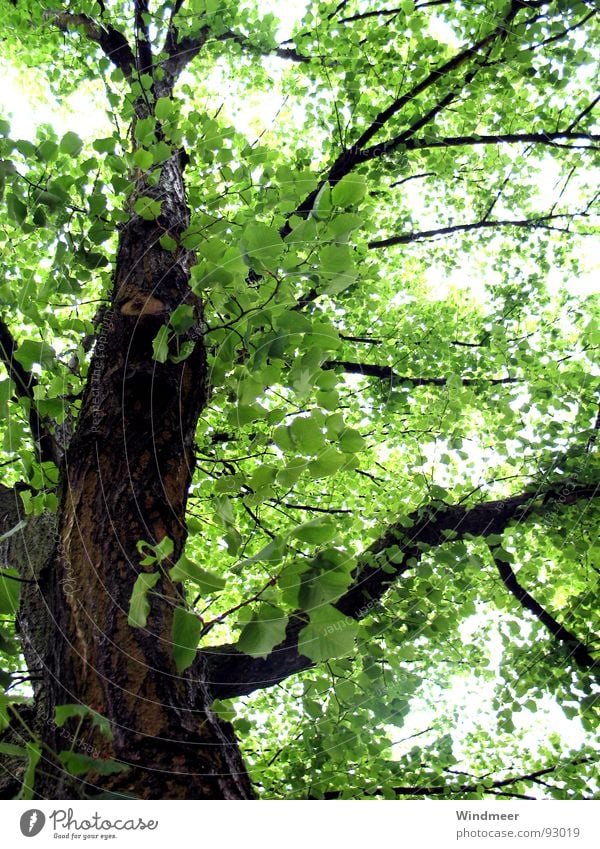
[[13, 751], [168, 243], [294, 322], [7, 389], [262, 477], [224, 709], [322, 205], [185, 637], [186, 570], [5, 705], [328, 577], [39, 217], [139, 606], [288, 476], [306, 435], [34, 753], [49, 199], [273, 552], [106, 145], [328, 634], [304, 232], [161, 151], [328, 463], [263, 243], [335, 259], [100, 232], [146, 549], [164, 549], [47, 150], [144, 131], [9, 645], [343, 224], [185, 349], [263, 632], [351, 441]]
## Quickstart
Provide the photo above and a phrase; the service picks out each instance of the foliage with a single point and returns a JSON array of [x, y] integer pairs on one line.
[[392, 216]]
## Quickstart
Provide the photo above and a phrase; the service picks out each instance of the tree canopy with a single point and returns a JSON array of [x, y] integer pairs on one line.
[[381, 323]]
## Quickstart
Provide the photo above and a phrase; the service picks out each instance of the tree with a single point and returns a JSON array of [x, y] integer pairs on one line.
[[307, 412]]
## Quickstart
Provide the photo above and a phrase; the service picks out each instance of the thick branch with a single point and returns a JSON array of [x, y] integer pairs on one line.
[[232, 673], [111, 40], [24, 385], [419, 235], [577, 650], [388, 373]]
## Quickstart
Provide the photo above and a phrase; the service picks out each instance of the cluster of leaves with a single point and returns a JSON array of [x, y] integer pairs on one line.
[[355, 379]]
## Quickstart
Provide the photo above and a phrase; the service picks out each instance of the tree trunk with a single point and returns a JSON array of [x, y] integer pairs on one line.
[[126, 478]]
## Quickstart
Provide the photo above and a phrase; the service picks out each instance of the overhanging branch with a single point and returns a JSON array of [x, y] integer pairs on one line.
[[24, 386], [232, 673], [490, 787], [281, 52], [111, 40], [143, 47]]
